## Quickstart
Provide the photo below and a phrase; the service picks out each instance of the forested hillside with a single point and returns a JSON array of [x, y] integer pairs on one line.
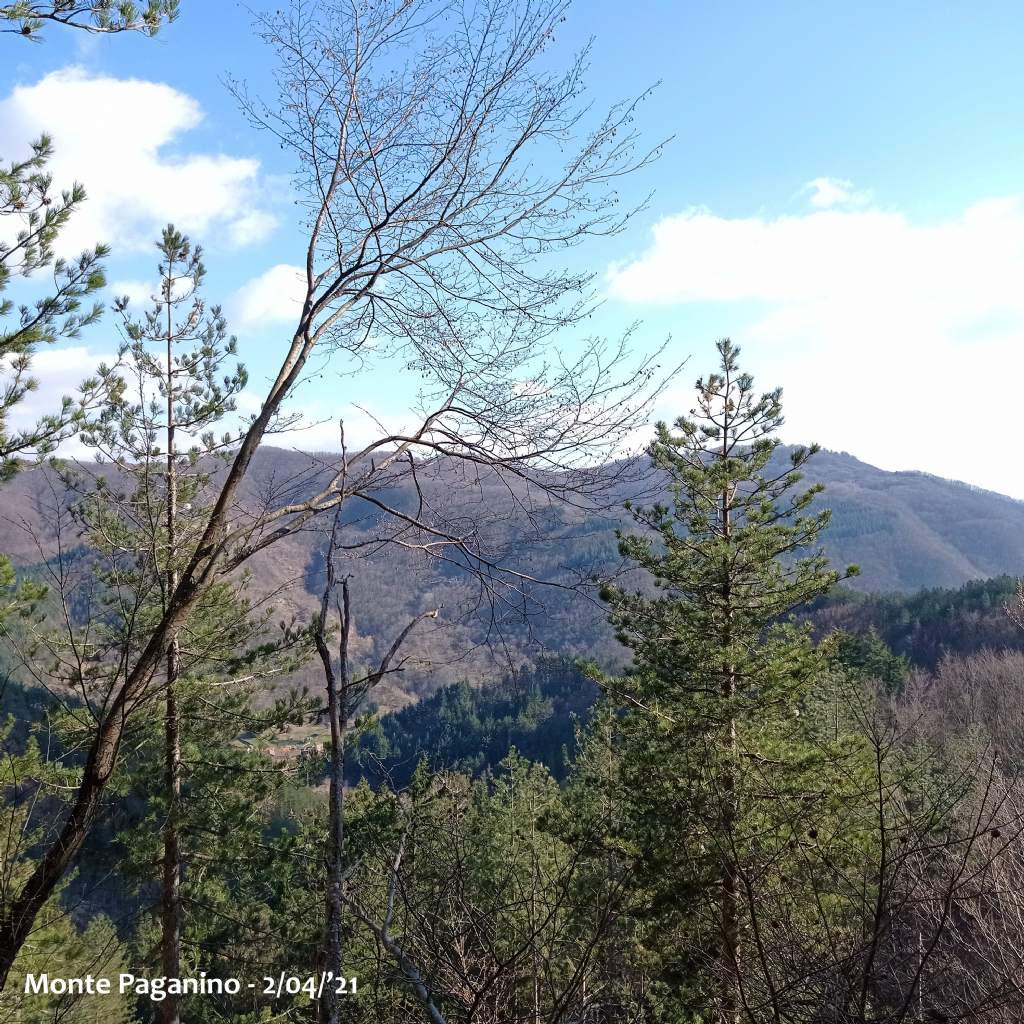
[[540, 711], [930, 623], [589, 791], [488, 713], [906, 531]]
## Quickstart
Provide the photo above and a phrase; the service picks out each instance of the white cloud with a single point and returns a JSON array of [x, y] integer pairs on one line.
[[122, 139], [274, 297], [140, 293], [893, 339], [826, 193], [251, 227], [58, 372]]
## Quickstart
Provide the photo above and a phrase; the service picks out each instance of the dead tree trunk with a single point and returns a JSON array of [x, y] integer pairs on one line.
[[338, 682], [344, 694]]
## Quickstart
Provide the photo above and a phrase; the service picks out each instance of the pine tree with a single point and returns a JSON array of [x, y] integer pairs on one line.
[[142, 509], [29, 17], [28, 201], [716, 740], [176, 388]]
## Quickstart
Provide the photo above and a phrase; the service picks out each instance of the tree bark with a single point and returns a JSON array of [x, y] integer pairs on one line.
[[19, 917], [337, 694], [170, 903], [343, 695], [729, 1008]]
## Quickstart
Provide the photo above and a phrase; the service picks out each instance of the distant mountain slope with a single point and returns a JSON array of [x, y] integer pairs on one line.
[[912, 530], [907, 531], [926, 625]]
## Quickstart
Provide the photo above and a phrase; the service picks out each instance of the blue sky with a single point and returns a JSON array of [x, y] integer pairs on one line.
[[844, 196]]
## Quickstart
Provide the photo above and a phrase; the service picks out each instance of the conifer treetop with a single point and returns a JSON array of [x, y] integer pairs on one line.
[[737, 539], [28, 18]]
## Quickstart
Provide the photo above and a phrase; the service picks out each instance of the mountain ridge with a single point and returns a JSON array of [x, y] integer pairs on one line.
[[907, 530]]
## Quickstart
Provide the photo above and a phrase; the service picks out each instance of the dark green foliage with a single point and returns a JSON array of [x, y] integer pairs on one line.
[[925, 625], [472, 729], [538, 712], [867, 656], [714, 732]]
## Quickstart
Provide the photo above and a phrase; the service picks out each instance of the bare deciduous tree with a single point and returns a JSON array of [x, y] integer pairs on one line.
[[479, 912], [903, 903], [344, 696], [420, 132]]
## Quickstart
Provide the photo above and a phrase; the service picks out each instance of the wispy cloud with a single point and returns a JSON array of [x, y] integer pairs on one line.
[[826, 193]]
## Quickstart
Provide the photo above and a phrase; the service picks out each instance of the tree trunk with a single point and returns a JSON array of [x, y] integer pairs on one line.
[[18, 918], [730, 918], [170, 903], [337, 695], [729, 954]]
